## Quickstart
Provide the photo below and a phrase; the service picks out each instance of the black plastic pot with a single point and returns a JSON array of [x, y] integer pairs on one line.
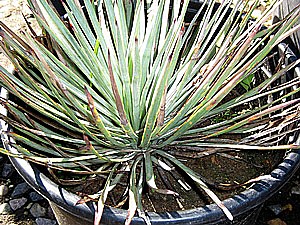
[[245, 207]]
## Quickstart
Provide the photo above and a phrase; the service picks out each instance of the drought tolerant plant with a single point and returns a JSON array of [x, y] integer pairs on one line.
[[122, 86]]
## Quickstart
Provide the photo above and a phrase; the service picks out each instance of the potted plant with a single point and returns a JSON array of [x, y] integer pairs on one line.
[[119, 92]]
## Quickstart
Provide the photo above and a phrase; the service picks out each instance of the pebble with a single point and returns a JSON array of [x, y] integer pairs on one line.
[[3, 190], [17, 203], [20, 190], [276, 221], [35, 197], [50, 213], [29, 205], [278, 208], [37, 210], [45, 221], [5, 209], [7, 170], [296, 190]]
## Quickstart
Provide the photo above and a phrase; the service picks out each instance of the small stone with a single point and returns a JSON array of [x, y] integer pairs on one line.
[[50, 213], [7, 170], [17, 203], [5, 209], [20, 190], [29, 205], [3, 190], [44, 221], [296, 190], [37, 210], [278, 208], [276, 221], [34, 196]]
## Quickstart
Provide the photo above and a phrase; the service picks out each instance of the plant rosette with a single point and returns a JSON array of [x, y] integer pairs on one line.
[[119, 90]]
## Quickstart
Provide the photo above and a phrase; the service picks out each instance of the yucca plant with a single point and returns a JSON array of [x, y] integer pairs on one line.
[[122, 87]]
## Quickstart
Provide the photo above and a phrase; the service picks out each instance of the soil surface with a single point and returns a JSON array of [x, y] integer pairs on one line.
[[227, 168], [283, 208]]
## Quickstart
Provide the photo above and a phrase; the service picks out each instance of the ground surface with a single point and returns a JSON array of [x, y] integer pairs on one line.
[[283, 208], [11, 14]]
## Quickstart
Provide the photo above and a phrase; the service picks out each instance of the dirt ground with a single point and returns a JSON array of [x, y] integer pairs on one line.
[[11, 14]]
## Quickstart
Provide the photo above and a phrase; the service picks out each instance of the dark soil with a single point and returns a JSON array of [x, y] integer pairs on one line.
[[231, 168], [227, 168]]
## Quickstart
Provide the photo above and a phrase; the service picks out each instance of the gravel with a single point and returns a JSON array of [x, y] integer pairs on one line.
[[3, 190], [5, 209], [20, 190], [7, 170], [19, 203], [37, 210]]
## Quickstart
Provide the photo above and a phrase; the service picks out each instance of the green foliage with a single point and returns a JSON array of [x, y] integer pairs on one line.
[[125, 81], [247, 82]]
